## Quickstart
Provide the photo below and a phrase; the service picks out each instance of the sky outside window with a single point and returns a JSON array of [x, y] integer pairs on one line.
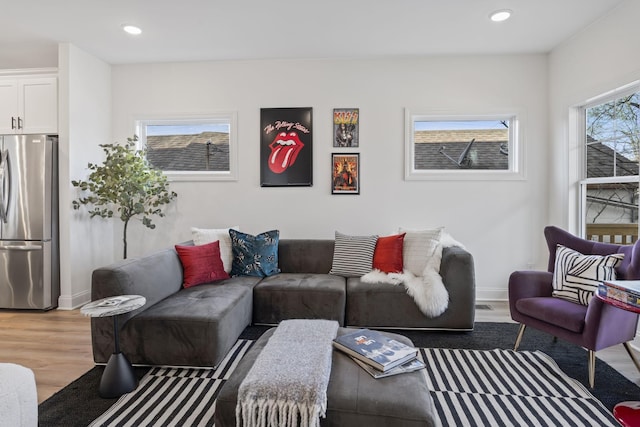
[[159, 130], [459, 124]]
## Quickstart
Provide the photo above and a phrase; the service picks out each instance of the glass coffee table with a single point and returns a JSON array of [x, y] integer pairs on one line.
[[118, 377]]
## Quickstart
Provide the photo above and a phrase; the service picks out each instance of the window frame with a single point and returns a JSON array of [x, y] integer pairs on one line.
[[516, 170], [223, 117], [581, 139]]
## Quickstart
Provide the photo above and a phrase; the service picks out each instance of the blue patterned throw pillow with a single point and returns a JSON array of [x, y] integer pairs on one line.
[[254, 255]]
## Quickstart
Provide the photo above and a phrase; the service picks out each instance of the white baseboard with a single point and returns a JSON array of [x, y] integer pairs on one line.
[[71, 302], [492, 294]]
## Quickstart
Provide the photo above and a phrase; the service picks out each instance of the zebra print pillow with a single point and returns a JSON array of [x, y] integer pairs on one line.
[[576, 276]]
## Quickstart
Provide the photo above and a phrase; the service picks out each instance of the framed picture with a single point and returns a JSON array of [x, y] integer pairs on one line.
[[345, 127], [286, 147], [345, 175]]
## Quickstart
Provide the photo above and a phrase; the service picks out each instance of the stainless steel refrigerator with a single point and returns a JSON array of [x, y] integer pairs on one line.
[[29, 260]]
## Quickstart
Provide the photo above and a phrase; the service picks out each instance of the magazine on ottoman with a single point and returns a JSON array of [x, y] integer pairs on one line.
[[410, 366], [375, 349]]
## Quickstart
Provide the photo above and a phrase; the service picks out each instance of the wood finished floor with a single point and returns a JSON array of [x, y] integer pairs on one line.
[[56, 345]]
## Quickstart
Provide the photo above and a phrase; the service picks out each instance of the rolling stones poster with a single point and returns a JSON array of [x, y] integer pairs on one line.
[[345, 127], [345, 176], [286, 147]]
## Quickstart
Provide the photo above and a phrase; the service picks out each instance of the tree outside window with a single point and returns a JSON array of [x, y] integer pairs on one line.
[[610, 188]]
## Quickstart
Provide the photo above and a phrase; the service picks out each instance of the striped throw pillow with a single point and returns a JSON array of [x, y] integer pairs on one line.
[[576, 276], [353, 255]]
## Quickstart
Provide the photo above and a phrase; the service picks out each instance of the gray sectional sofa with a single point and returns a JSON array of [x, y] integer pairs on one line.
[[197, 326]]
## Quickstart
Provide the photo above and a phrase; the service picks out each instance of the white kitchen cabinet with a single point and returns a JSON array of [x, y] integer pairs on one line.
[[29, 105], [8, 106]]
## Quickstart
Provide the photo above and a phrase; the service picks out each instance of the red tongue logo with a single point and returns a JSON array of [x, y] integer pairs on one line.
[[284, 151]]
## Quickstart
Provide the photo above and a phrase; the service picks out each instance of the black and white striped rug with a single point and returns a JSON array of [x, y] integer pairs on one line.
[[469, 388], [507, 388]]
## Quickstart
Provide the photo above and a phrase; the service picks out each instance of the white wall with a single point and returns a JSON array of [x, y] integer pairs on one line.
[[602, 57], [85, 122], [499, 222]]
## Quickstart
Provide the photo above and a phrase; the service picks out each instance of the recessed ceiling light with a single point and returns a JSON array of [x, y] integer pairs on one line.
[[131, 29], [500, 15]]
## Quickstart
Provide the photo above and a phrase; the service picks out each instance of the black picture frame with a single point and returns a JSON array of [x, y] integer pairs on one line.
[[345, 173], [346, 126], [286, 147]]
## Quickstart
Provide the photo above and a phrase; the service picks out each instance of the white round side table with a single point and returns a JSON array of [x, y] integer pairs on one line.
[[118, 377]]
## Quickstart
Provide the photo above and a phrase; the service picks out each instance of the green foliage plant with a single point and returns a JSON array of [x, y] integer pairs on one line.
[[125, 183]]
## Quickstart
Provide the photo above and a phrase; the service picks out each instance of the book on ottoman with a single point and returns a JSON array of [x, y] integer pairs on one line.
[[375, 349], [624, 294], [410, 366]]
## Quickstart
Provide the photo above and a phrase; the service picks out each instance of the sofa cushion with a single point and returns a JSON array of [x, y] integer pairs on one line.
[[201, 264], [254, 255], [353, 255], [299, 296], [207, 235], [555, 311], [384, 305], [576, 276], [305, 255], [388, 254]]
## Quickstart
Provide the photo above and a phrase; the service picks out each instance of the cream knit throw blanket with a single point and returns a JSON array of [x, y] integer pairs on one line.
[[287, 384]]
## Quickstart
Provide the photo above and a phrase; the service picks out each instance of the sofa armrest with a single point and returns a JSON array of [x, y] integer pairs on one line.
[[154, 276], [458, 275]]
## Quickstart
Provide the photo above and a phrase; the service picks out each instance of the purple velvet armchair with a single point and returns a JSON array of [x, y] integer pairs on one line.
[[594, 327]]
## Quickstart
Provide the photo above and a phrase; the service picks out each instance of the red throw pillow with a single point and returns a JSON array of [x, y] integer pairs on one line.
[[388, 254], [201, 264]]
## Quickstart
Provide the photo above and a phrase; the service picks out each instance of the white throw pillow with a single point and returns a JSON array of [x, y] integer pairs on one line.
[[202, 236], [418, 248], [576, 276]]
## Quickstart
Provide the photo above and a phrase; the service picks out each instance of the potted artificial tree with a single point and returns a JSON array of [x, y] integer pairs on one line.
[[126, 183]]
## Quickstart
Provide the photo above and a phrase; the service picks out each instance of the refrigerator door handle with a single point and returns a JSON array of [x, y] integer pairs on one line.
[[20, 248], [3, 168]]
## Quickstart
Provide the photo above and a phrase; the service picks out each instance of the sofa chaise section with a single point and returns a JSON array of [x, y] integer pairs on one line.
[[177, 327]]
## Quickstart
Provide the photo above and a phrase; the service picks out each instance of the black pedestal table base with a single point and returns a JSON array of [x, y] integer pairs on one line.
[[118, 377]]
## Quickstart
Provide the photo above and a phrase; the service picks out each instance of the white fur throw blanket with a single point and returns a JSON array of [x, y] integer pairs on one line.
[[287, 384], [428, 290]]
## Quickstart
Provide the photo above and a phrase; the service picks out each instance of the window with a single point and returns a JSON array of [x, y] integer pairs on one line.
[[192, 148], [609, 188], [462, 147]]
